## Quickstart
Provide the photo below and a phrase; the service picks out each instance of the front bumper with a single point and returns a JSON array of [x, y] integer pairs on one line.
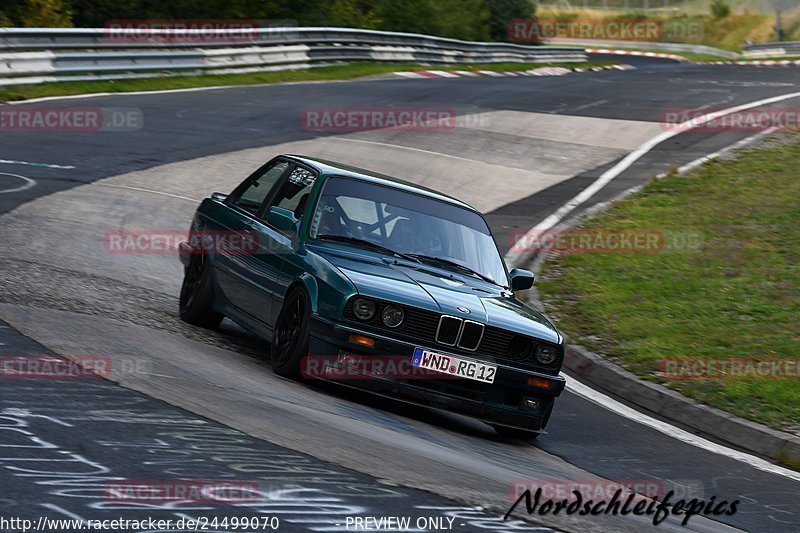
[[500, 402]]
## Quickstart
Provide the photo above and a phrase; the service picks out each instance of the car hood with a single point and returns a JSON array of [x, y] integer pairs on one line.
[[440, 291]]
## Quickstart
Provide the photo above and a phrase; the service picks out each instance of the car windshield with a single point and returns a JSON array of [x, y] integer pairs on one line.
[[449, 236]]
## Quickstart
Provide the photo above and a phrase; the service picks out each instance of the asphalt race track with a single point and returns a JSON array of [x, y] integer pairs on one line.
[[201, 404]]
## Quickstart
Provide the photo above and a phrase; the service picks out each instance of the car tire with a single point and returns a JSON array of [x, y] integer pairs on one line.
[[290, 338], [196, 303]]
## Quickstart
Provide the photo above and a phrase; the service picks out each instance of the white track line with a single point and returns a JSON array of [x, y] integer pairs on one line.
[[132, 93], [30, 164], [149, 191], [28, 183], [401, 147], [629, 160], [705, 159], [171, 91], [584, 391]]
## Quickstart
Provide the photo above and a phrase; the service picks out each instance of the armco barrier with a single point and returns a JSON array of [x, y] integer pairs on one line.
[[35, 55], [784, 49]]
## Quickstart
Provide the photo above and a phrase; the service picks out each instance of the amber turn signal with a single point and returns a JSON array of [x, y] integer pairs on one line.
[[362, 340], [540, 382]]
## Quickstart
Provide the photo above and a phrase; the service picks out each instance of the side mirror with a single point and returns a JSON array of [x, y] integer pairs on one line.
[[521, 280], [219, 197], [282, 219]]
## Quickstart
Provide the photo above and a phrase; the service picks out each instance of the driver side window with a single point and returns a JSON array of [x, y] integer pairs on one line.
[[256, 192]]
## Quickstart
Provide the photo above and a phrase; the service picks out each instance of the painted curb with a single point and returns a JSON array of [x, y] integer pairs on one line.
[[659, 55], [539, 71], [654, 46], [757, 62]]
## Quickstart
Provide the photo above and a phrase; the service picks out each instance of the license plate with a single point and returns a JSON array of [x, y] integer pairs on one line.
[[454, 366]]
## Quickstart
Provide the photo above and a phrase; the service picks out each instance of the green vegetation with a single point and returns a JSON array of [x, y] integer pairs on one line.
[[720, 9], [781, 58], [731, 32], [723, 26], [724, 285], [36, 13], [727, 33], [462, 19], [336, 72]]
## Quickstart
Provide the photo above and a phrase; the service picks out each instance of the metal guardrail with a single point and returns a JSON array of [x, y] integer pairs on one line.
[[35, 55], [782, 49]]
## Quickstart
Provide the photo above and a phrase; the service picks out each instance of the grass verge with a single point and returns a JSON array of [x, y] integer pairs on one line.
[[725, 284], [727, 33], [347, 71]]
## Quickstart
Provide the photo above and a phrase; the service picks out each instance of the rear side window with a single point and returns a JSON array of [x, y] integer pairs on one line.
[[256, 192], [293, 194]]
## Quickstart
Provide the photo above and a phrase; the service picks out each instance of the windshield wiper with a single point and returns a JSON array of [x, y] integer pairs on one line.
[[364, 242], [458, 266]]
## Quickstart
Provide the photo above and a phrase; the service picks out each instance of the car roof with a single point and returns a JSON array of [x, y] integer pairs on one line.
[[332, 168]]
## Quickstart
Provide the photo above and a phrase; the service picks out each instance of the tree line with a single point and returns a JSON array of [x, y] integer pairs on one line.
[[460, 19]]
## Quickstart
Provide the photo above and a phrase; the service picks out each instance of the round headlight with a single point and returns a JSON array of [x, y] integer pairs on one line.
[[392, 316], [545, 354], [364, 309]]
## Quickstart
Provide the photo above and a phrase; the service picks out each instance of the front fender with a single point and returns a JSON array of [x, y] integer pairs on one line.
[[327, 286], [310, 283]]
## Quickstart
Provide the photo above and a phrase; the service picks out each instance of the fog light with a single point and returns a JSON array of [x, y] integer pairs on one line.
[[543, 383], [362, 340], [348, 360], [532, 404]]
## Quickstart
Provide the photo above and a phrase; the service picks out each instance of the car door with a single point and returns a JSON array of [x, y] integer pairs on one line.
[[242, 276]]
